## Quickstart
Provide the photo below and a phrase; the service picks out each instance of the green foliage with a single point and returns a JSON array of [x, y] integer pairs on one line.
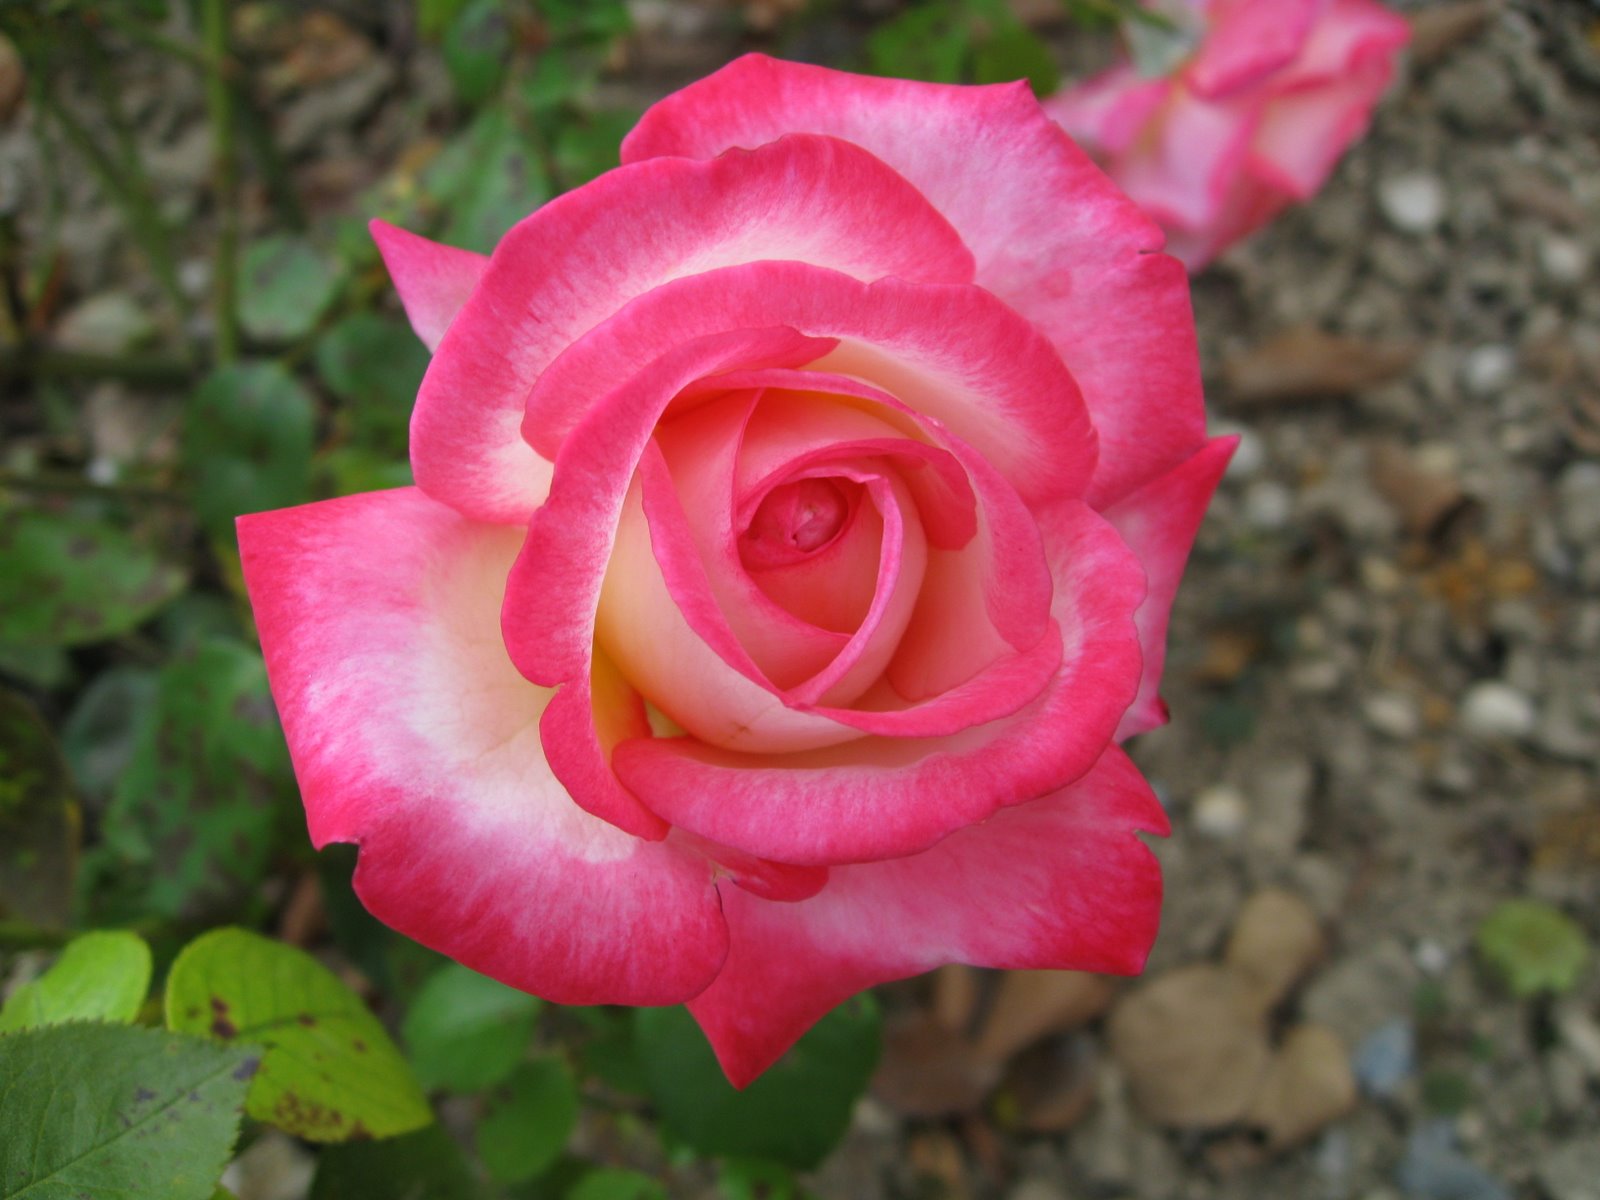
[[487, 178], [247, 443], [329, 1072], [66, 580], [111, 1110], [528, 1120], [374, 365], [99, 977], [477, 47], [1533, 948], [285, 284], [956, 41], [196, 817], [793, 1114], [102, 732], [466, 1031], [614, 1183], [426, 1165], [39, 821]]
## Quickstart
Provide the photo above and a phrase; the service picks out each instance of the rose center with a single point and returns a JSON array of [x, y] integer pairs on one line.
[[794, 520]]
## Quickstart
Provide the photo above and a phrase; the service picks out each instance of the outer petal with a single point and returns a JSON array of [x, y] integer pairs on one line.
[[1051, 235], [1249, 42], [433, 280], [887, 797], [581, 257], [1184, 171], [414, 736], [1060, 882], [1107, 112], [1159, 523]]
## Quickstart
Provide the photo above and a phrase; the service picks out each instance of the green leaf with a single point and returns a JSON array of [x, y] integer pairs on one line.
[[102, 732], [99, 977], [591, 146], [528, 1121], [928, 42], [247, 443], [427, 1165], [614, 1183], [39, 821], [199, 812], [793, 1114], [285, 283], [41, 666], [753, 1179], [117, 1111], [1016, 52], [466, 1031], [1533, 947], [477, 46], [487, 178], [66, 580], [374, 365], [330, 1072]]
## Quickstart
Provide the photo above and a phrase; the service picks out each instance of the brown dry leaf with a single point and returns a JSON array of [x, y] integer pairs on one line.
[[928, 1070], [1054, 1086], [1193, 1046], [1568, 840], [1436, 31], [955, 995], [1228, 653], [1309, 1086], [1305, 363], [1275, 941], [1426, 500], [1029, 1005]]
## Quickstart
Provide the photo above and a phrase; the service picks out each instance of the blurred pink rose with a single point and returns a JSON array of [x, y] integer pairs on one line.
[[798, 511], [1250, 121]]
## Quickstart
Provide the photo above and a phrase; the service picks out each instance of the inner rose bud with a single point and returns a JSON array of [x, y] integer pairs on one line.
[[794, 520]]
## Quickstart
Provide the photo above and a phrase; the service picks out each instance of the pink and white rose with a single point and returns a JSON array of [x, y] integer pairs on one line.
[[798, 511], [1254, 119]]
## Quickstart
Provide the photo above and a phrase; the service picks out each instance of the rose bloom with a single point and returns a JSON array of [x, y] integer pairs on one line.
[[798, 511], [1254, 119]]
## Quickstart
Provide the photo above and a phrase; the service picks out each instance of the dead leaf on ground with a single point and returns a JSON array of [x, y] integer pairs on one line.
[[1438, 30], [929, 1070], [1275, 941], [1305, 363], [1193, 1046], [1310, 1085], [1054, 1087], [1427, 500], [1029, 1005]]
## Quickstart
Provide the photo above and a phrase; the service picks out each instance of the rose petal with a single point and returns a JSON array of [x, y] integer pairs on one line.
[[1159, 523], [886, 797], [1060, 882], [433, 280], [1052, 236], [1107, 112], [1184, 170], [580, 258], [1249, 41], [414, 736]]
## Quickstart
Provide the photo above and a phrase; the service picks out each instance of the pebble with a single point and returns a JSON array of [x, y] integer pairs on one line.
[[1431, 957], [1268, 504], [1491, 711], [1386, 1057], [1572, 1171], [1413, 202], [1578, 491], [1488, 369], [1394, 715], [1433, 1169], [1249, 456], [1565, 260], [1220, 811]]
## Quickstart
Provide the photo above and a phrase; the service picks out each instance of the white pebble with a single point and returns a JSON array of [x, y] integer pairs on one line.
[[1414, 202], [1564, 259], [1249, 456], [1268, 504], [1431, 957], [1394, 715], [1488, 369], [1220, 811], [1492, 710]]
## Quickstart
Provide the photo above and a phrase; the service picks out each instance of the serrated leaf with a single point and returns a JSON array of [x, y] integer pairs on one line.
[[39, 820], [197, 815], [247, 443], [615, 1183], [1533, 947], [116, 1110], [329, 1072], [794, 1114], [426, 1165], [285, 283], [66, 580], [100, 976], [466, 1031], [528, 1121]]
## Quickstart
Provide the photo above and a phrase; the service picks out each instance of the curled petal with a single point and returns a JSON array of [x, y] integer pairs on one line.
[[433, 280]]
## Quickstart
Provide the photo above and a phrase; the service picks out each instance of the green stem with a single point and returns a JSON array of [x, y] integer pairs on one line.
[[219, 104], [71, 485], [152, 369]]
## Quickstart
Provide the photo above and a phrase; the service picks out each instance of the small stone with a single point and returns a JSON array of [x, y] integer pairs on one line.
[[1268, 504], [1220, 811], [1280, 801], [1565, 260], [1394, 715], [1386, 1057], [1433, 1169], [1413, 202], [1431, 957], [1580, 1033], [1315, 677], [1491, 711], [1572, 1171], [1488, 369], [1578, 491], [1249, 456]]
